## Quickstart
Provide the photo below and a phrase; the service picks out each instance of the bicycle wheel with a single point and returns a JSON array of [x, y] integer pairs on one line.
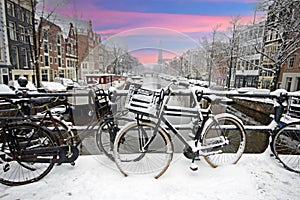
[[224, 140], [105, 137], [106, 134], [143, 148], [15, 138], [286, 146], [61, 131]]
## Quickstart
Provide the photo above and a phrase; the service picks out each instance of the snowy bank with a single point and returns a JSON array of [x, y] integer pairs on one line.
[[256, 176]]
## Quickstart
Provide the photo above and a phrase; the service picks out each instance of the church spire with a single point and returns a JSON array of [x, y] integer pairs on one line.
[[160, 55]]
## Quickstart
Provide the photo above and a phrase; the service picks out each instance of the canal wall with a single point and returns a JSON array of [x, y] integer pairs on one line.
[[264, 107], [257, 113]]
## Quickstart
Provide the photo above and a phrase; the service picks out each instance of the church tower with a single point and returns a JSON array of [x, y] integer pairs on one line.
[[160, 55]]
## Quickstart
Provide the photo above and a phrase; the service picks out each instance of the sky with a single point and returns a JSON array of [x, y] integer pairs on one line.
[[191, 19]]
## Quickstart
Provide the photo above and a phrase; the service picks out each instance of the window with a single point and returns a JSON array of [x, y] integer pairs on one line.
[[291, 62], [20, 14], [44, 75], [59, 62], [22, 34], [61, 73], [58, 50], [46, 47], [27, 17], [10, 9], [12, 31], [51, 74], [24, 58], [1, 57], [51, 60], [14, 57], [45, 34], [58, 39], [46, 60], [288, 83], [298, 84], [30, 33]]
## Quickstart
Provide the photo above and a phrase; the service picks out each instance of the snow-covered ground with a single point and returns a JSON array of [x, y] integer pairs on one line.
[[255, 176]]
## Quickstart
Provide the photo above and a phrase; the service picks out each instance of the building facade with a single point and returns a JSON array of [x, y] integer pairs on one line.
[[51, 50], [5, 65], [247, 68], [20, 27], [281, 39]]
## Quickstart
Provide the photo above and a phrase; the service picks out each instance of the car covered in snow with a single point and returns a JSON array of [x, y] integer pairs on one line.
[[53, 87]]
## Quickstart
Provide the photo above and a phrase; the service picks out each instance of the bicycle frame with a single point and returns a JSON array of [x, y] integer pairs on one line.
[[196, 112]]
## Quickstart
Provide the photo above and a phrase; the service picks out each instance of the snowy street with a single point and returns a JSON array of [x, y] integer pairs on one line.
[[255, 176]]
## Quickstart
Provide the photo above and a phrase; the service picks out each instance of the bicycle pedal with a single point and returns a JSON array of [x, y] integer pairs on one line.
[[72, 163], [197, 158], [194, 167]]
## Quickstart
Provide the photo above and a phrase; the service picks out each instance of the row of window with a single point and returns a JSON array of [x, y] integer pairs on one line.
[[19, 57], [245, 65], [50, 47], [251, 34], [46, 37], [49, 74], [47, 60], [18, 12], [21, 34]]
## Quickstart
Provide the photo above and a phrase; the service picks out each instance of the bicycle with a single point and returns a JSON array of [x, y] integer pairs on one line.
[[50, 117], [110, 125], [284, 137], [29, 147], [145, 146]]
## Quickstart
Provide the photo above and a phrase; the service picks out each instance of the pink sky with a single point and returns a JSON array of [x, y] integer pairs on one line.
[[112, 17]]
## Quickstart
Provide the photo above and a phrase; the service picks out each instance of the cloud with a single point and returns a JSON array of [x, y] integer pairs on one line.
[[107, 22]]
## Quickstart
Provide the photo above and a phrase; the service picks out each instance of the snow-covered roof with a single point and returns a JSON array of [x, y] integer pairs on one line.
[[63, 21]]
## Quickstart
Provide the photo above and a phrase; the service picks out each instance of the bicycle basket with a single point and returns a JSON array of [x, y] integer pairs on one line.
[[102, 106], [143, 101]]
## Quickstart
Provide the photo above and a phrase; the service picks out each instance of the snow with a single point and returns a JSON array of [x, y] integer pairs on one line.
[[255, 176]]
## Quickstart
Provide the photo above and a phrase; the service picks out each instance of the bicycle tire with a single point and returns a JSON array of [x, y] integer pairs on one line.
[[128, 154], [23, 136], [232, 150], [286, 146], [106, 134], [105, 138]]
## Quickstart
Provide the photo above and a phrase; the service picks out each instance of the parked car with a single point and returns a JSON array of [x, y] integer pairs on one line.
[[14, 85], [53, 87], [68, 83], [4, 89]]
